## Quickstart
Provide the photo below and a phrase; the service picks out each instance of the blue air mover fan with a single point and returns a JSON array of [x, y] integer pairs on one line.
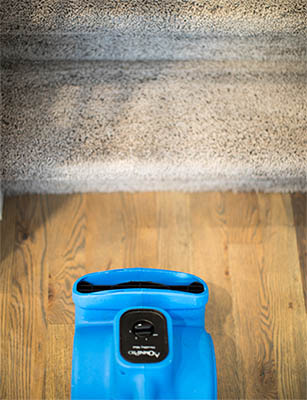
[[140, 335]]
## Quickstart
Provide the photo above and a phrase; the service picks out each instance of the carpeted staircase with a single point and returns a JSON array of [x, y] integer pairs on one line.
[[153, 95]]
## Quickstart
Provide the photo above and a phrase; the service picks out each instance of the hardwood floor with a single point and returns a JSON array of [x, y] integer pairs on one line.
[[250, 248]]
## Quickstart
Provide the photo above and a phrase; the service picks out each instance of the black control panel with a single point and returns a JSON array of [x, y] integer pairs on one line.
[[143, 336]]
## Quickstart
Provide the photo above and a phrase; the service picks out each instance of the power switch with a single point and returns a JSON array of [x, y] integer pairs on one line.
[[143, 329]]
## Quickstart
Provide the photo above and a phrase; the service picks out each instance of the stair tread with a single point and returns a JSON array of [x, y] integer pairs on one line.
[[243, 16], [114, 125], [154, 30]]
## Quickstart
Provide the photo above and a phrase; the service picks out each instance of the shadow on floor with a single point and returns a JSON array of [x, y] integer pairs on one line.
[[218, 316], [23, 217]]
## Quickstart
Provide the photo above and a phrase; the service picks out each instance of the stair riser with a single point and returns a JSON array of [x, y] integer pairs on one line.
[[111, 46], [200, 182]]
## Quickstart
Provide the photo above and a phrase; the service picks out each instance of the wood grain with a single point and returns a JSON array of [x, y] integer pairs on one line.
[[210, 261], [174, 231], [140, 226], [106, 243], [275, 209], [65, 254], [7, 240], [299, 207], [254, 322], [287, 302], [59, 359], [246, 246], [24, 319]]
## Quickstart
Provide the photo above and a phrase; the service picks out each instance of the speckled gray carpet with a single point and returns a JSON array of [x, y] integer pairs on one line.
[[154, 29], [157, 125], [153, 95]]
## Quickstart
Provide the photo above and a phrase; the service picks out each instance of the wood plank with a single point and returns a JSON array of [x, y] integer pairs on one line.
[[7, 242], [106, 242], [242, 217], [210, 262], [299, 207], [269, 313], [254, 319], [65, 253], [123, 230], [280, 252], [275, 209], [24, 321], [139, 214], [174, 231], [7, 248], [237, 211], [59, 359]]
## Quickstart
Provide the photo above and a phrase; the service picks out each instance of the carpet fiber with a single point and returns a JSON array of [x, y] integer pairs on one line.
[[153, 95], [108, 126], [154, 30]]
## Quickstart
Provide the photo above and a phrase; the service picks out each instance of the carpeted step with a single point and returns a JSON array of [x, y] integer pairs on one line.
[[197, 125], [154, 30]]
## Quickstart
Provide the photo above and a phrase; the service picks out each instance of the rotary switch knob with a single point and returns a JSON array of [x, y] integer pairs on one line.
[[143, 329]]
